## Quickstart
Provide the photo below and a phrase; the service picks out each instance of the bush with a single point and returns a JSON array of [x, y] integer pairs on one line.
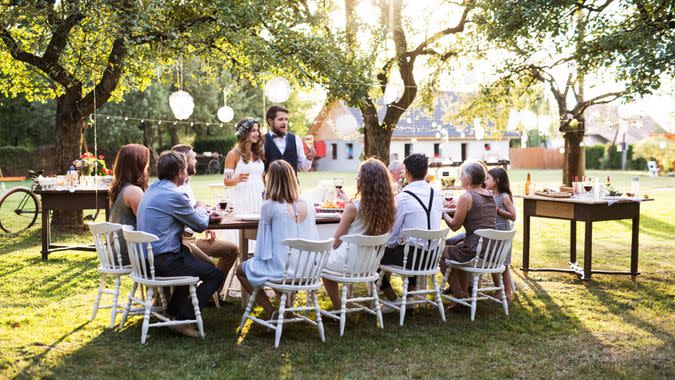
[[16, 161], [221, 145], [594, 154], [606, 157], [659, 149]]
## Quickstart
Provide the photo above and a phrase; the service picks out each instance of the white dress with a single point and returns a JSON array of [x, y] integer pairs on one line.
[[338, 261], [248, 196]]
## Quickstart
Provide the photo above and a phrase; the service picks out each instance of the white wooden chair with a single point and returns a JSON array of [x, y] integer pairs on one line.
[[363, 258], [653, 168], [494, 246], [426, 254], [143, 276], [302, 272], [110, 264]]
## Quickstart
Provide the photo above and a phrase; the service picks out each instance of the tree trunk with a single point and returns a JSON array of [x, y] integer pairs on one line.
[[173, 133], [148, 139], [379, 139], [574, 163], [69, 131]]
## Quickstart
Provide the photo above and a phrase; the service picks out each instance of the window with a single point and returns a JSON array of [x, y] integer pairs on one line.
[[350, 151], [334, 149], [464, 146], [487, 147], [407, 150], [437, 150]]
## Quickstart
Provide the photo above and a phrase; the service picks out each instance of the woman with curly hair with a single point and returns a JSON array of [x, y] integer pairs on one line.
[[372, 214], [126, 190], [244, 167]]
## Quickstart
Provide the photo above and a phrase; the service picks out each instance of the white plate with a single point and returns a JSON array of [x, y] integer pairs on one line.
[[330, 209], [248, 217], [327, 215]]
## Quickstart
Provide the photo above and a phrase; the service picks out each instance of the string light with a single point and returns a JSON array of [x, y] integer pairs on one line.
[[158, 121]]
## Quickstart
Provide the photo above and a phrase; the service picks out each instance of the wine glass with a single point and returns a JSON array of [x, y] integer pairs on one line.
[[338, 182], [588, 187], [309, 140]]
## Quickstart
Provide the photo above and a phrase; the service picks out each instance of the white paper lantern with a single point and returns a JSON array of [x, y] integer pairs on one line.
[[346, 125], [225, 114], [181, 104], [543, 124], [479, 131], [277, 89], [514, 120], [392, 92], [663, 145], [529, 119], [523, 140]]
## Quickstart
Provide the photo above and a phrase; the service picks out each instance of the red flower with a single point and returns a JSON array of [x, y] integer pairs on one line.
[[100, 157]]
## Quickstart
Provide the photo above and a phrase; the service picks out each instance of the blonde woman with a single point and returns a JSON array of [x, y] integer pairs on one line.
[[372, 213], [244, 167], [283, 216]]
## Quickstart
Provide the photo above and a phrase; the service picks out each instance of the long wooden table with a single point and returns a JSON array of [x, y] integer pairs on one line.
[[582, 210], [66, 200], [248, 230]]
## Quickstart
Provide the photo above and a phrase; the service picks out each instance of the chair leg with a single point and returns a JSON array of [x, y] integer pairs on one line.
[[216, 299], [198, 313], [505, 304], [376, 301], [146, 314], [116, 294], [474, 295], [317, 310], [249, 306], [132, 294], [343, 309], [280, 320], [229, 279], [101, 288], [404, 298], [439, 301], [162, 296]]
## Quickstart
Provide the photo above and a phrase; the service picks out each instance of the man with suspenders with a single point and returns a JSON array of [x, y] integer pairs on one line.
[[417, 206]]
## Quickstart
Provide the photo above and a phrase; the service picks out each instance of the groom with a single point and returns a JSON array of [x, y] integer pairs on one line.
[[283, 145]]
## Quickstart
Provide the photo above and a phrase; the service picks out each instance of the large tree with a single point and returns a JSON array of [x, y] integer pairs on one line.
[[627, 42], [84, 53]]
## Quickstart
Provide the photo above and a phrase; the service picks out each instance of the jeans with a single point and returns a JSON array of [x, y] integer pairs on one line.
[[183, 264]]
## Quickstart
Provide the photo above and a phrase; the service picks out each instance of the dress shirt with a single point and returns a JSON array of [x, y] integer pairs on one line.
[[165, 211], [410, 214], [187, 189], [280, 141]]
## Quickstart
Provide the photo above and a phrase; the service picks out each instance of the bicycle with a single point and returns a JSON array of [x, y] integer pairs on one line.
[[19, 207], [215, 165]]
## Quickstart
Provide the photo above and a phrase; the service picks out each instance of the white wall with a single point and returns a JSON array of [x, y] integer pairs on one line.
[[342, 163], [499, 149]]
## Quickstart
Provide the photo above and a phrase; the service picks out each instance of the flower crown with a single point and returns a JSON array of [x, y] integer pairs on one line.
[[244, 126]]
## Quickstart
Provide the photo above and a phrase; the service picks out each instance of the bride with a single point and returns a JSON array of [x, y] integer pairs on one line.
[[244, 168]]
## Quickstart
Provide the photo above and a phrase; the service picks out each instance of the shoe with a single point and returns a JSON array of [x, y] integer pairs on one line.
[[386, 309], [186, 330]]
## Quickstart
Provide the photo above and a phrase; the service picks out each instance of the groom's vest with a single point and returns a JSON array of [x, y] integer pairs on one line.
[[272, 152]]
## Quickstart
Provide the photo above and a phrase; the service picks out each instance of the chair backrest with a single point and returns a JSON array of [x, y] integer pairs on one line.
[[651, 165], [363, 254], [140, 253], [305, 261], [106, 240], [425, 248], [493, 247]]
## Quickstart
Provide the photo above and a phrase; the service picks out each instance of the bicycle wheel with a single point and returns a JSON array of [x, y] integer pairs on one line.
[[214, 167], [19, 209]]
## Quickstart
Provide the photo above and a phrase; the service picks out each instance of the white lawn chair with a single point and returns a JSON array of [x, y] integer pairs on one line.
[[363, 258], [110, 264], [653, 168], [495, 245], [302, 272], [425, 256], [143, 275]]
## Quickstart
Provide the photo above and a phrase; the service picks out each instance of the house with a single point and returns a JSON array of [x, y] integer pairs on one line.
[[603, 126], [418, 131]]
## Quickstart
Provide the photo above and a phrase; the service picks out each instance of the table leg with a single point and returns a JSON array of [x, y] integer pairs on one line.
[[588, 254], [243, 256], [107, 214], [634, 246], [46, 234], [526, 244], [573, 241]]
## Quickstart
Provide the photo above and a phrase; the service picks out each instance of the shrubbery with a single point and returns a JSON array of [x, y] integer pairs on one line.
[[221, 145], [606, 157]]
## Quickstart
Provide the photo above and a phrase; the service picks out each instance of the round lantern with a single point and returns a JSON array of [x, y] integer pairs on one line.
[[479, 131], [346, 125], [392, 92], [181, 104], [225, 114], [277, 89], [529, 119], [514, 119]]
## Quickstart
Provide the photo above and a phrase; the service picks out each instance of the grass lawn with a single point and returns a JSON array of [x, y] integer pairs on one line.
[[616, 328]]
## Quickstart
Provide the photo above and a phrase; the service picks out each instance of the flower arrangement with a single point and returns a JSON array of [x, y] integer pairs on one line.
[[88, 164]]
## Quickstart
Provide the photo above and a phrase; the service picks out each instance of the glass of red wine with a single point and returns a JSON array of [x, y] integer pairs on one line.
[[588, 187]]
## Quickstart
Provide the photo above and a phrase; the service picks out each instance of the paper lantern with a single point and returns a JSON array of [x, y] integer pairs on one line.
[[663, 145], [181, 104], [514, 119], [277, 89], [346, 125], [392, 92], [529, 119], [543, 124], [225, 114], [479, 131]]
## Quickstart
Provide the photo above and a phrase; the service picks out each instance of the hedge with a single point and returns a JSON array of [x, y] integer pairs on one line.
[[221, 145], [16, 161], [606, 157]]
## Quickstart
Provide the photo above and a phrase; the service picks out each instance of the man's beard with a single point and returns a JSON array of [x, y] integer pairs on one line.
[[279, 132]]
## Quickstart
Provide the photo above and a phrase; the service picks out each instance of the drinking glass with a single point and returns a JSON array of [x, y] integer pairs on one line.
[[338, 182], [588, 188], [309, 140], [635, 186]]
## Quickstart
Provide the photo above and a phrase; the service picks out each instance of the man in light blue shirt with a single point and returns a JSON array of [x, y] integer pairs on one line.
[[165, 211]]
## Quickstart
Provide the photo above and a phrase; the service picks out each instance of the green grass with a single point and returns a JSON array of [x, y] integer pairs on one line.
[[557, 328]]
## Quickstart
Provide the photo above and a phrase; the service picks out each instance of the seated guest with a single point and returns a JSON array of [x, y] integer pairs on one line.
[[165, 211], [373, 214], [476, 209], [417, 206], [283, 216], [204, 249], [130, 180], [396, 170]]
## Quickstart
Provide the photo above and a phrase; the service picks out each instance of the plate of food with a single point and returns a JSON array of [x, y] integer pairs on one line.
[[331, 206], [248, 217]]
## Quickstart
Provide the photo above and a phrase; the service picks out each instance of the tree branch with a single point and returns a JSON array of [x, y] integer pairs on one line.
[[453, 30], [111, 76], [600, 99]]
